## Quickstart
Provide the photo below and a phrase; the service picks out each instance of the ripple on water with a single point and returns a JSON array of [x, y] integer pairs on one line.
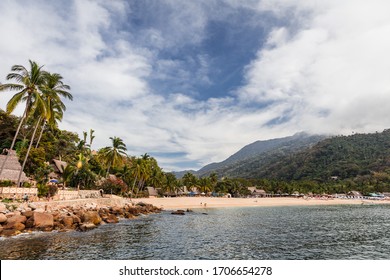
[[321, 232]]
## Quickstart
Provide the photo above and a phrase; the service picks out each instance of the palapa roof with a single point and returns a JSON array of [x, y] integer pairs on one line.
[[152, 191], [255, 190], [354, 193], [12, 168], [60, 165]]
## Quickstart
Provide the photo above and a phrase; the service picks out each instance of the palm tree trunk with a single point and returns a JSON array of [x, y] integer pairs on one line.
[[28, 151], [14, 140], [132, 189], [40, 135]]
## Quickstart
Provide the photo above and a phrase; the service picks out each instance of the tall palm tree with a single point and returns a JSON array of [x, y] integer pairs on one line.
[[27, 87], [114, 154], [52, 91], [50, 108]]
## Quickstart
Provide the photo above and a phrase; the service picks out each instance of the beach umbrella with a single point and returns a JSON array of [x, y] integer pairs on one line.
[[53, 181]]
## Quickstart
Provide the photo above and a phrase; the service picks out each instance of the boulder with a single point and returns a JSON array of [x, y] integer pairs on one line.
[[3, 209], [3, 218], [91, 217], [17, 219], [32, 206], [43, 221], [27, 213], [87, 226], [129, 215], [178, 212], [67, 221], [30, 222], [118, 210], [76, 219], [9, 232], [111, 219], [14, 225]]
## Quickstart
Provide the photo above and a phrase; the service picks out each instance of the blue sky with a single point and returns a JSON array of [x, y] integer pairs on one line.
[[191, 82]]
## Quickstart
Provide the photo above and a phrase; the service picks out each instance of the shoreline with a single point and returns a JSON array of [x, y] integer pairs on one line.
[[175, 203]]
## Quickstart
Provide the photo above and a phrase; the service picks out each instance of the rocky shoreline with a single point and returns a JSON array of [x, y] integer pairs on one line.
[[29, 217]]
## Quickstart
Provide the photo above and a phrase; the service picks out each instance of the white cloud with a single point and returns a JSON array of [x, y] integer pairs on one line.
[[330, 69], [324, 68]]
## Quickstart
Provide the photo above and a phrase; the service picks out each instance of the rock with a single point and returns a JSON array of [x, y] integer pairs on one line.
[[43, 221], [30, 222], [178, 212], [111, 219], [87, 226], [118, 210], [141, 204], [17, 219], [129, 215], [10, 214], [91, 206], [14, 225], [67, 221], [27, 213], [3, 209], [9, 232], [135, 211], [3, 218], [76, 219], [32, 206], [91, 217]]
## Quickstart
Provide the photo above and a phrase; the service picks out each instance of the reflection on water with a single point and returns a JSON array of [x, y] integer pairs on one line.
[[326, 232]]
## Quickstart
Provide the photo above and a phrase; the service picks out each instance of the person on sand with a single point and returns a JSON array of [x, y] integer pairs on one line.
[[25, 197]]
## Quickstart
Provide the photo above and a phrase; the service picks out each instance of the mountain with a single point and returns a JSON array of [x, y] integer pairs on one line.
[[255, 154], [343, 157]]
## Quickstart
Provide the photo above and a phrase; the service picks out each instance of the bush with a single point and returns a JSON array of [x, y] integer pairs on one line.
[[6, 183], [114, 186], [43, 190]]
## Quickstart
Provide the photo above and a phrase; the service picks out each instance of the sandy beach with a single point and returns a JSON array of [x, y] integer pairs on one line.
[[174, 203]]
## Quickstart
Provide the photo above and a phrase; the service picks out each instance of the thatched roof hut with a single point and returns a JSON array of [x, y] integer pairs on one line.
[[12, 168], [257, 192], [152, 192], [355, 194], [58, 168]]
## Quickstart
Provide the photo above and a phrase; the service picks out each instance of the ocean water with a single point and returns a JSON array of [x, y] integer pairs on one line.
[[275, 233]]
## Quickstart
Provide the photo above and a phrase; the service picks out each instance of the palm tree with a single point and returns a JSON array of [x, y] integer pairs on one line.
[[52, 89], [50, 109], [27, 87], [114, 154]]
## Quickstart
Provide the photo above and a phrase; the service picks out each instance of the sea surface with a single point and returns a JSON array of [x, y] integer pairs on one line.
[[275, 233]]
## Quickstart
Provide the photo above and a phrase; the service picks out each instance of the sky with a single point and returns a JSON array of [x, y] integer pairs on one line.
[[192, 82]]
